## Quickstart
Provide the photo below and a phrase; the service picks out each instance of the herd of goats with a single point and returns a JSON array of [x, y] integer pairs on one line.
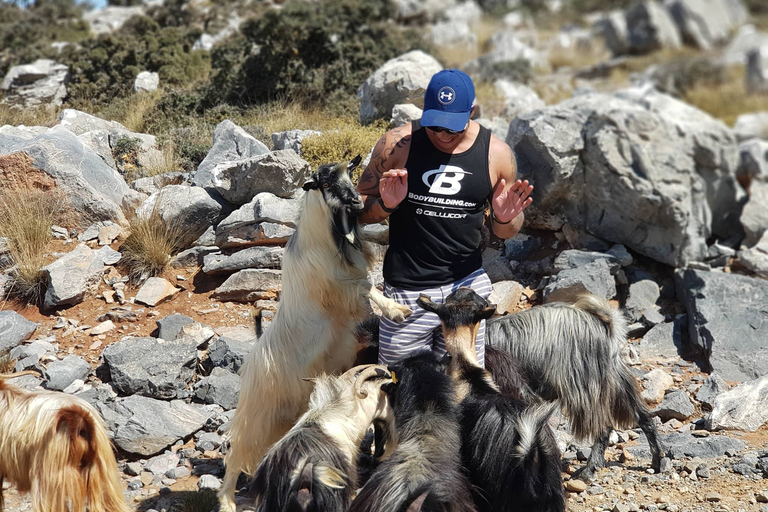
[[321, 427]]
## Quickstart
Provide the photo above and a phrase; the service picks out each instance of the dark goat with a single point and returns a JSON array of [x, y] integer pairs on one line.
[[424, 472], [313, 468], [570, 353], [507, 447]]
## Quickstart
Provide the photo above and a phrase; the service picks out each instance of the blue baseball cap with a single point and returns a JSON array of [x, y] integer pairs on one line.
[[448, 100]]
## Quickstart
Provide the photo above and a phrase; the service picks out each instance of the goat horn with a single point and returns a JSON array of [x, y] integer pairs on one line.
[[372, 370]]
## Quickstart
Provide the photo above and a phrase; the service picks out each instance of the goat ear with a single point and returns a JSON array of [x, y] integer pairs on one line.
[[445, 360], [352, 165], [310, 185], [487, 312], [426, 303]]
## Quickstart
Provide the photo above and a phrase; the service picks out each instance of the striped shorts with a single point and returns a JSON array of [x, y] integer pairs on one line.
[[423, 328]]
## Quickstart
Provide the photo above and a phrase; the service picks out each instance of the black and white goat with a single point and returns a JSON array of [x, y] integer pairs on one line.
[[325, 290], [424, 471], [507, 446], [570, 353], [313, 468]]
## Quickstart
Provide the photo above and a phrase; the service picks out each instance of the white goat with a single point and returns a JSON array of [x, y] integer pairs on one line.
[[325, 290]]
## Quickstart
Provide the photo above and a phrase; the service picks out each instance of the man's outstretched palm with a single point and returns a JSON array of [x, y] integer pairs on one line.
[[508, 204]]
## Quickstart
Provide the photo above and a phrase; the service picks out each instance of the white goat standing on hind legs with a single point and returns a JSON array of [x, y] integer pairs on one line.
[[324, 295]]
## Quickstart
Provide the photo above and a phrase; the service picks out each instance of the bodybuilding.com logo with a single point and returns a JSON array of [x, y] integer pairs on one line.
[[444, 180]]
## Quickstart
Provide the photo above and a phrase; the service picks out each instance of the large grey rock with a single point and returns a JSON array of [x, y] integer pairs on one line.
[[684, 444], [192, 257], [702, 23], [92, 186], [109, 19], [753, 125], [405, 114], [221, 387], [641, 297], [518, 98], [60, 374], [249, 285], [568, 285], [655, 383], [755, 259], [713, 386], [505, 46], [420, 10], [70, 278], [675, 405], [250, 257], [612, 27], [146, 81], [744, 407], [663, 340], [264, 207], [260, 233], [746, 39], [14, 329], [169, 327], [573, 258], [151, 367], [291, 139], [641, 169], [754, 217], [757, 70], [453, 33], [42, 82], [207, 41], [230, 144], [228, 353], [279, 172], [754, 161], [727, 320], [651, 28], [191, 209], [149, 426], [399, 80]]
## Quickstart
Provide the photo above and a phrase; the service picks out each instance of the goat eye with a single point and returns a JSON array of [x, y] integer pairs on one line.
[[325, 185]]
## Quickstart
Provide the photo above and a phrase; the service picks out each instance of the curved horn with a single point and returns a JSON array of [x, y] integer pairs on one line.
[[372, 370]]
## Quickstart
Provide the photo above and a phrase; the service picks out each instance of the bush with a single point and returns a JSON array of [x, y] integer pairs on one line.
[[307, 51], [7, 365], [150, 245], [342, 144]]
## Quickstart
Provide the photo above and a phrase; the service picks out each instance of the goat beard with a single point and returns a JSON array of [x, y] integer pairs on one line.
[[345, 225]]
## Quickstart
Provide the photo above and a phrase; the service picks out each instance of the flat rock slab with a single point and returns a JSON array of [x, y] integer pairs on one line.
[[250, 284], [662, 340], [14, 329], [684, 444], [149, 426], [728, 320], [156, 290], [73, 276], [63, 373], [221, 387], [250, 257]]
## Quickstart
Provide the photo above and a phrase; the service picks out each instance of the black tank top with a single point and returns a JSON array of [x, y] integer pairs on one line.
[[434, 235]]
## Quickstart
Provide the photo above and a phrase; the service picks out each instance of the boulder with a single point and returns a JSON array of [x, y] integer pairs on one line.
[[42, 82], [189, 209], [261, 233], [757, 70], [72, 276], [228, 353], [567, 285], [684, 444], [164, 375], [675, 405], [230, 144], [751, 126], [399, 80], [506, 295], [638, 168], [713, 386], [727, 320], [754, 161], [518, 98], [14, 329], [280, 173], [468, 11], [169, 327], [221, 387], [146, 81], [453, 33], [746, 39], [249, 285], [702, 23], [92, 186], [267, 219], [612, 27], [405, 114], [755, 259], [664, 340], [744, 407], [110, 19], [421, 11], [60, 374], [641, 297], [655, 383], [651, 28], [506, 46], [291, 139], [754, 217], [148, 426], [250, 257]]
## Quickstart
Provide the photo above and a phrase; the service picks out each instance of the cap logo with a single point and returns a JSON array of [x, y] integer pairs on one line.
[[446, 95]]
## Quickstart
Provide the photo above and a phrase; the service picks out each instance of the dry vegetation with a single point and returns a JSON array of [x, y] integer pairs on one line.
[[7, 365], [41, 116], [728, 100]]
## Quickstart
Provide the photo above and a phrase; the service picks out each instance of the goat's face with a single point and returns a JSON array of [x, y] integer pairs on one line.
[[462, 308], [334, 183], [370, 384]]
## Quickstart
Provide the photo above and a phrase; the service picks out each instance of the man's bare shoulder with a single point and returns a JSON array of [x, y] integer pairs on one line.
[[501, 160]]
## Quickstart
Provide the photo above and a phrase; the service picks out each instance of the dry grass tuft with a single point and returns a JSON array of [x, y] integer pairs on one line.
[[491, 102], [167, 161], [727, 100], [151, 244], [7, 365], [40, 116], [342, 144], [29, 206]]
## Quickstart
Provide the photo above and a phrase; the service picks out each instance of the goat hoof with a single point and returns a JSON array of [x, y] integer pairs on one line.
[[399, 313]]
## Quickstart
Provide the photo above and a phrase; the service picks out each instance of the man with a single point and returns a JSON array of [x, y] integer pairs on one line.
[[432, 179]]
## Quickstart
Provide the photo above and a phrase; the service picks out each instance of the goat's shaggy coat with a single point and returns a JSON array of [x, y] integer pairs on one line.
[[54, 446], [507, 447], [424, 472], [313, 468], [324, 295], [571, 353]]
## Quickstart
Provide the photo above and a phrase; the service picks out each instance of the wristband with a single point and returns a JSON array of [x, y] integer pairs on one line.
[[497, 221], [384, 207]]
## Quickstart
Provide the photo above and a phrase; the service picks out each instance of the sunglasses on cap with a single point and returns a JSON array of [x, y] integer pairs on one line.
[[440, 129]]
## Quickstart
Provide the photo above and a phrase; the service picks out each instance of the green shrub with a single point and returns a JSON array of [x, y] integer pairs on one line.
[[309, 50]]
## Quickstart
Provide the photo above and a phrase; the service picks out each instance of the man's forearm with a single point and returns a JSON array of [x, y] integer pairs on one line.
[[505, 231], [373, 212]]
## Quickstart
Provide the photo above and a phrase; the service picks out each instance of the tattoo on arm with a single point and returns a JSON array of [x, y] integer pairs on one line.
[[378, 165]]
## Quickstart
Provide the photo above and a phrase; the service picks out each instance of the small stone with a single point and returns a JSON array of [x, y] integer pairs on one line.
[[209, 482], [713, 497], [621, 507], [133, 469], [575, 486], [762, 496], [626, 456], [596, 489], [103, 327], [146, 478], [178, 473], [95, 345], [109, 296], [662, 499], [134, 484], [702, 471]]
